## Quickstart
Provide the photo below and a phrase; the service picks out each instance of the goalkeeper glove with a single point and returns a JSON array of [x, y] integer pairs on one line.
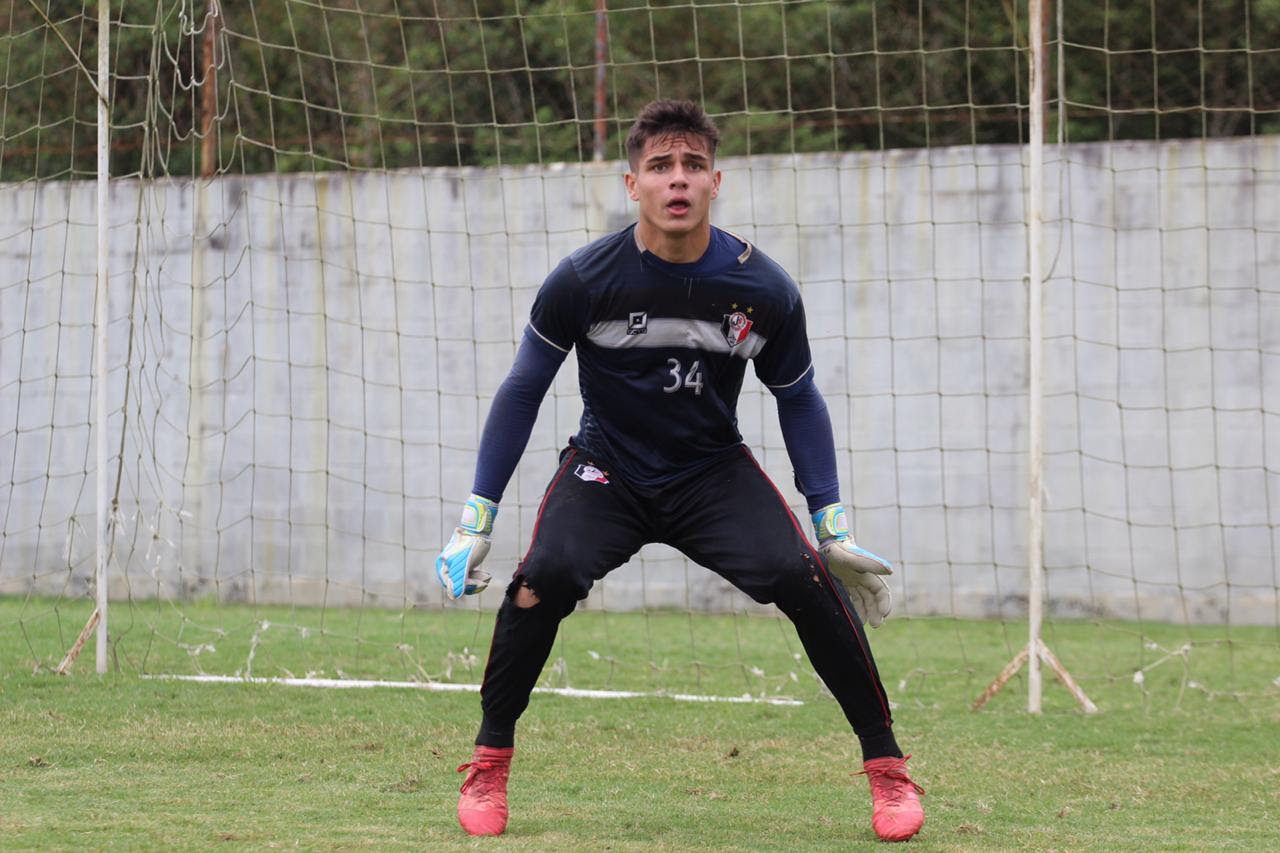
[[859, 569], [458, 566]]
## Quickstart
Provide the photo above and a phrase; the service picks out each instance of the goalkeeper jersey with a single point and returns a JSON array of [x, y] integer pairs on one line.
[[662, 348]]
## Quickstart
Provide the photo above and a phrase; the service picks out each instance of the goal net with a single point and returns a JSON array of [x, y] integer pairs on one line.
[[327, 222]]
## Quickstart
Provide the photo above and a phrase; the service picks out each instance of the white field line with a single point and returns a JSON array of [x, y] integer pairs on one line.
[[442, 687]]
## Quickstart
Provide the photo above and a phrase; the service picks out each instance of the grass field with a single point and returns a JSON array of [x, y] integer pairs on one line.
[[1190, 759]]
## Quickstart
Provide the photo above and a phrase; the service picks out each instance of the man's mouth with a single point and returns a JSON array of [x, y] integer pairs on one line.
[[678, 207]]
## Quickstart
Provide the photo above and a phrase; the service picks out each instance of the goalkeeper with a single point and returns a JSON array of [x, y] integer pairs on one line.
[[665, 315]]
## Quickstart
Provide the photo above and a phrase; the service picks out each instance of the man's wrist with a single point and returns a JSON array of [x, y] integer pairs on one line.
[[831, 522], [477, 515]]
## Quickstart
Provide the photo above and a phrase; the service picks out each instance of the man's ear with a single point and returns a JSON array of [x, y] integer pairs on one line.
[[715, 186], [630, 180]]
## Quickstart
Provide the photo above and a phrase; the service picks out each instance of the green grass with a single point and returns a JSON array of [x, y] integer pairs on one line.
[[124, 762], [925, 660]]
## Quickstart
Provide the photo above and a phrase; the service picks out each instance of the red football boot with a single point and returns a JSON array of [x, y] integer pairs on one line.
[[896, 813], [482, 808]]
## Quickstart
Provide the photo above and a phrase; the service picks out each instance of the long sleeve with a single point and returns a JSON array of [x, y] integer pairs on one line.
[[514, 411], [806, 430]]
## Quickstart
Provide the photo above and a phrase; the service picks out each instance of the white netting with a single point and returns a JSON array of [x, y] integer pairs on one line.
[[329, 220]]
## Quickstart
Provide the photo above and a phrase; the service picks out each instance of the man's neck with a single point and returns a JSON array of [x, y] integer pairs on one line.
[[674, 248]]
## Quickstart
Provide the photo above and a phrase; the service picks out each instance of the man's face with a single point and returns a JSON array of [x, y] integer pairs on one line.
[[674, 180]]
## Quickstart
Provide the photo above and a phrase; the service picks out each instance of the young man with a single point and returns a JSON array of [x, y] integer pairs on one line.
[[665, 314]]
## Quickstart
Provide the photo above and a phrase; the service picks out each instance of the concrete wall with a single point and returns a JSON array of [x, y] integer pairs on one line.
[[301, 365]]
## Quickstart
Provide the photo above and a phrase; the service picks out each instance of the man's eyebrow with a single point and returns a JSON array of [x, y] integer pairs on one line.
[[667, 155]]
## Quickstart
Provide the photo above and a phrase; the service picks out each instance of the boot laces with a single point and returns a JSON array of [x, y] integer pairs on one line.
[[892, 782], [480, 783]]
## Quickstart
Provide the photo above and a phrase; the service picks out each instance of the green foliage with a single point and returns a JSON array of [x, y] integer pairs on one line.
[[323, 84]]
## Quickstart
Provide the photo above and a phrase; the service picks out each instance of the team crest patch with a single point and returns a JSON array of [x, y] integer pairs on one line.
[[735, 327], [591, 474], [638, 323]]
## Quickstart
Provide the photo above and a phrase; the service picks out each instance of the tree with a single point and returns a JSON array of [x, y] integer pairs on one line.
[[354, 84]]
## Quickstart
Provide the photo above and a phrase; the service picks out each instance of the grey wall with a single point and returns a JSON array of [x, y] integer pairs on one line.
[[301, 365]]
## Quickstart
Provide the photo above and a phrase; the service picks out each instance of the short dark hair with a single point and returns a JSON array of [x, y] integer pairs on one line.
[[665, 116]]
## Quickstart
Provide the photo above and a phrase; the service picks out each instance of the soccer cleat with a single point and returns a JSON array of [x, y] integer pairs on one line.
[[482, 807], [896, 813]]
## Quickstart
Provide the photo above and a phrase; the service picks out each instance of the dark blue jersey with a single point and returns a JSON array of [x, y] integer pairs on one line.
[[662, 348]]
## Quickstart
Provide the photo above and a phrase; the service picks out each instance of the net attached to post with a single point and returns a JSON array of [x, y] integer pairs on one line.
[[329, 220]]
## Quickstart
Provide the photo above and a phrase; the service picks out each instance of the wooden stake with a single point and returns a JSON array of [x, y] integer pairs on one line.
[[74, 651], [1005, 674], [1066, 679], [1043, 653]]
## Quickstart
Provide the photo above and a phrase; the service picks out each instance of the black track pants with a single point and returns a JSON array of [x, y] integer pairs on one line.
[[729, 518]]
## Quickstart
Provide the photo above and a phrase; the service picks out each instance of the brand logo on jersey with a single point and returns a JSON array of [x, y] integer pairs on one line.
[[638, 323], [735, 327], [591, 474]]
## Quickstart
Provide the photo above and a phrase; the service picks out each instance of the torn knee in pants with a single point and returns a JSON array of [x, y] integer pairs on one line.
[[524, 597]]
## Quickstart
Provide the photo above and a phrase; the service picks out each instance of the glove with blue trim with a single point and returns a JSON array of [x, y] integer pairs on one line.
[[458, 566], [860, 570]]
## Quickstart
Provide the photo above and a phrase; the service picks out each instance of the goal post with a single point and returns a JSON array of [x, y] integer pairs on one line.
[[1035, 652], [102, 556], [1033, 241], [1035, 345]]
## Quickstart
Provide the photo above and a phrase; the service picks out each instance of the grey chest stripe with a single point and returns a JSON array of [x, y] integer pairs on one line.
[[662, 332]]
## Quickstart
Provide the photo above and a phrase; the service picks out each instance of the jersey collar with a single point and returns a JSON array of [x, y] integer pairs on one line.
[[680, 269]]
